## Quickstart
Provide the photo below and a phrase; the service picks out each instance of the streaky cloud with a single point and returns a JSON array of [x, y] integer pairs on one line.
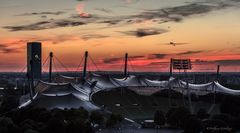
[[41, 13], [158, 16], [42, 25], [145, 32], [104, 10], [119, 59], [189, 52], [156, 56], [170, 14], [93, 36], [112, 60], [6, 49], [224, 62], [228, 62]]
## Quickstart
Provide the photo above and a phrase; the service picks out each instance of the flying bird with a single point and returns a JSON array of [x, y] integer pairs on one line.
[[174, 43]]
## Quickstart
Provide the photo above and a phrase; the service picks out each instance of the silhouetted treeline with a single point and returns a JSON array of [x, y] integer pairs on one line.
[[180, 117], [40, 120]]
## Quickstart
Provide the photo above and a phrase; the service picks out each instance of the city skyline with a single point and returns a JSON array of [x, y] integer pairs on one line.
[[152, 32]]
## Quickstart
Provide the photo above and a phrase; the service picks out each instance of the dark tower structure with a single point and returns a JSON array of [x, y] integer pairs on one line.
[[171, 67], [126, 65], [34, 61], [50, 67], [218, 72], [85, 65]]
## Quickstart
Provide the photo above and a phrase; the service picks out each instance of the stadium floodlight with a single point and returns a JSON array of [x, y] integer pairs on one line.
[[181, 64]]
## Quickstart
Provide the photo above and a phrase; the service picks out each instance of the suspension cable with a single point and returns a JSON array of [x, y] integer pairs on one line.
[[22, 69], [121, 66], [62, 64], [44, 69], [55, 65], [131, 65], [79, 64], [44, 63], [94, 63]]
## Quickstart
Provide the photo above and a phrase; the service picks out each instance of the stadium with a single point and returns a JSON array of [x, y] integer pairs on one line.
[[134, 96]]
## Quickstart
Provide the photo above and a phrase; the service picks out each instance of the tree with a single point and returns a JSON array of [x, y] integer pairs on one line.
[[96, 117], [56, 125], [230, 105], [113, 120], [7, 126], [202, 114], [192, 124], [31, 131], [8, 103], [159, 118], [176, 116], [78, 125]]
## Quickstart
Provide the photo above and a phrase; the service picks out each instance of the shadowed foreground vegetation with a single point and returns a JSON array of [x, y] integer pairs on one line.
[[156, 107], [40, 120]]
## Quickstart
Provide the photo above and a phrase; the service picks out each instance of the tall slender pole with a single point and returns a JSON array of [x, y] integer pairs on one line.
[[218, 71], [32, 80], [171, 67], [214, 88], [170, 86], [50, 66], [126, 64], [85, 65]]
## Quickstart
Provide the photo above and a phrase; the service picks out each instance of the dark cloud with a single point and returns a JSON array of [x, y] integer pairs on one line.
[[43, 16], [134, 58], [200, 61], [118, 59], [189, 52], [156, 56], [112, 60], [137, 57], [162, 15], [170, 14], [58, 39], [111, 21], [45, 25], [13, 47], [67, 23], [42, 13], [191, 9], [7, 49], [54, 39], [179, 12], [93, 36], [17, 42], [104, 10], [71, 21], [145, 32], [236, 0], [228, 62], [159, 63], [90, 18]]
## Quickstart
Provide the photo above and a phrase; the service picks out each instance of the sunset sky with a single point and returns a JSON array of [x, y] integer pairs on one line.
[[151, 31]]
